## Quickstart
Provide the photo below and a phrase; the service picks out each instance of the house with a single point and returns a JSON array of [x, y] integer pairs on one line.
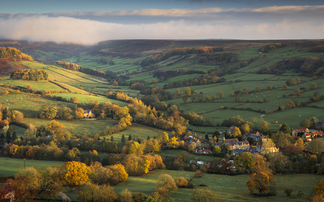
[[320, 124], [299, 130], [229, 131], [89, 114], [255, 135], [311, 135], [235, 144], [202, 151]]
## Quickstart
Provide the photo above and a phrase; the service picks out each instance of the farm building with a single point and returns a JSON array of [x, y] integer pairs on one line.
[[89, 114]]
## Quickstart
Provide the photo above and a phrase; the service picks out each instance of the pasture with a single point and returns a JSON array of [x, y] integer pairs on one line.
[[136, 131], [227, 188], [77, 127], [10, 166], [89, 98]]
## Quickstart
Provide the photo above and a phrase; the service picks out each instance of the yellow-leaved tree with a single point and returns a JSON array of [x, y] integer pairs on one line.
[[75, 173]]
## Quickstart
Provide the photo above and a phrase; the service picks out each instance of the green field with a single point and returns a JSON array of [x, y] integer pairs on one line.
[[29, 104], [228, 188], [136, 130], [11, 166], [90, 98], [78, 127]]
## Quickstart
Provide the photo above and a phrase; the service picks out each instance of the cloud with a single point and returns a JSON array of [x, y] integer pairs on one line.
[[67, 29]]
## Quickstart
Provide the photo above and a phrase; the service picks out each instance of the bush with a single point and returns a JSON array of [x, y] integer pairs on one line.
[[204, 195], [288, 191], [182, 182], [198, 174]]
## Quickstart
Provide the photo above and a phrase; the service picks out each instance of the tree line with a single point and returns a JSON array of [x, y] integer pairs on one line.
[[267, 48], [30, 74]]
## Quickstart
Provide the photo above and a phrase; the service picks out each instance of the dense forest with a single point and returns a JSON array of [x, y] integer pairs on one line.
[[13, 53]]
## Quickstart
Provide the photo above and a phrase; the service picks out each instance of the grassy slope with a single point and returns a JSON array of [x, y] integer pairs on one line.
[[228, 188], [10, 166]]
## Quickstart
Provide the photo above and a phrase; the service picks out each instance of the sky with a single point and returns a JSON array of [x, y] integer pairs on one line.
[[89, 22]]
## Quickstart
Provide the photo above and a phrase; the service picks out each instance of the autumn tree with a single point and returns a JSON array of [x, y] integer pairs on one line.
[[177, 92], [244, 162], [75, 173], [91, 192], [262, 176], [164, 137], [220, 94], [257, 89], [79, 113], [115, 83], [316, 146], [297, 92], [48, 112], [165, 184], [245, 91], [154, 81], [75, 99], [245, 128], [204, 195], [312, 86], [269, 87], [236, 132], [305, 123]]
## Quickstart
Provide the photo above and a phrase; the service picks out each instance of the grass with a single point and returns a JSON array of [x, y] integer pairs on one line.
[[11, 166], [228, 188], [136, 130], [78, 127], [90, 98], [147, 183], [29, 104]]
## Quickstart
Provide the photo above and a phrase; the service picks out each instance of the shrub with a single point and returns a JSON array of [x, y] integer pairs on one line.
[[288, 191]]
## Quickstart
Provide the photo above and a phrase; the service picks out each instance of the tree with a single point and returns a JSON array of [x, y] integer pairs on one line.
[[285, 86], [245, 91], [91, 192], [123, 140], [246, 128], [220, 94], [164, 137], [297, 92], [154, 81], [177, 92], [285, 128], [262, 176], [191, 147], [165, 184], [312, 86], [207, 98], [238, 98], [269, 87], [79, 113], [236, 132], [48, 112], [290, 104], [115, 83], [174, 143], [75, 173], [75, 99], [204, 195], [257, 89], [213, 98], [17, 91], [125, 196], [300, 143], [187, 91], [316, 146], [268, 146], [305, 123], [6, 92], [244, 162]]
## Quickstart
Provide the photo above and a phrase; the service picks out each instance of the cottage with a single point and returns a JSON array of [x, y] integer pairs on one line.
[[235, 144], [89, 114], [320, 124], [299, 130]]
